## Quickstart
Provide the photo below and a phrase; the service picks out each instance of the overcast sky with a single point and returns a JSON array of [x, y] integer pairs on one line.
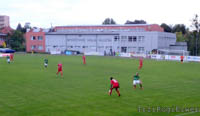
[[42, 13]]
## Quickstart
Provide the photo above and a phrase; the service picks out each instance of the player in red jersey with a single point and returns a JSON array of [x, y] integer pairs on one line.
[[114, 84], [60, 69], [84, 59], [182, 57], [141, 64], [11, 57]]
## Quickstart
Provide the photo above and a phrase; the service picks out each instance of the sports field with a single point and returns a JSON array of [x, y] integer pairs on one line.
[[28, 89]]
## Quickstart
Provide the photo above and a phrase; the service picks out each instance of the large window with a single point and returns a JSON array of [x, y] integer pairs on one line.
[[40, 38], [91, 40], [132, 38], [140, 38], [100, 46], [40, 47], [33, 38], [77, 46], [108, 47], [141, 49], [116, 38], [123, 38], [33, 47]]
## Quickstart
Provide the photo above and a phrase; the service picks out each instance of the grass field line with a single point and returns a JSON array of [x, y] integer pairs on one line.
[[185, 114]]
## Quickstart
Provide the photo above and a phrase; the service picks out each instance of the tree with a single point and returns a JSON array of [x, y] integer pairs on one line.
[[180, 37], [196, 25], [179, 28], [19, 27], [166, 27], [190, 39], [17, 41], [136, 22], [108, 21]]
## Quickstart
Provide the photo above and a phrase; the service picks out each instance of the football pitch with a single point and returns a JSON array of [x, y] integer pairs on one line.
[[28, 89]]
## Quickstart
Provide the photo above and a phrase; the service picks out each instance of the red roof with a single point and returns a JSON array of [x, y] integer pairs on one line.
[[146, 27], [6, 30]]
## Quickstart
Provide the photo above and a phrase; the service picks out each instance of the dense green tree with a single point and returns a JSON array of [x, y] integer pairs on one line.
[[179, 28], [136, 22], [166, 27], [108, 21], [190, 39], [17, 40], [196, 34], [180, 37], [19, 27]]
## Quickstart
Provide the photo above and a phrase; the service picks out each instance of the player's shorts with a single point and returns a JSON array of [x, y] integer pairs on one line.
[[181, 60], [59, 70], [115, 86], [45, 64], [8, 60], [136, 82]]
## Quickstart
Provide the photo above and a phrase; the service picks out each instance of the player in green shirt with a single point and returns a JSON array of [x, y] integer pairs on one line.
[[45, 63], [136, 80], [8, 59]]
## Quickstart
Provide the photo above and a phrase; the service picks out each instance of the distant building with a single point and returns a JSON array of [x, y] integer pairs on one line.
[[136, 38], [4, 21], [35, 40], [4, 32]]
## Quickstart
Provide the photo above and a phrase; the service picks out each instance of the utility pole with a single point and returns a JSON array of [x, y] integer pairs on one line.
[[197, 42]]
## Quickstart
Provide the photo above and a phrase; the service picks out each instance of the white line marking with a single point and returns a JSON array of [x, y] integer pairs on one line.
[[185, 114]]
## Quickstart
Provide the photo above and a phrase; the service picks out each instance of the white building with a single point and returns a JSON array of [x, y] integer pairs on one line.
[[109, 38]]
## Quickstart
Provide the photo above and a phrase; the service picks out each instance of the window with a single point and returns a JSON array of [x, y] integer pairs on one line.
[[140, 38], [108, 47], [40, 38], [141, 49], [33, 38], [77, 46], [134, 38], [33, 47], [40, 47], [130, 38], [93, 47], [69, 46], [100, 46], [116, 38], [123, 38], [55, 46], [91, 40]]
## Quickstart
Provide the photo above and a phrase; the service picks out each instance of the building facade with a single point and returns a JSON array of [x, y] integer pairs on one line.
[[4, 21], [137, 38], [2, 39], [35, 40], [136, 42]]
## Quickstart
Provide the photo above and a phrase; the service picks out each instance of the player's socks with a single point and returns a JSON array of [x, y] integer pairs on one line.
[[110, 92], [118, 92], [141, 86], [134, 86]]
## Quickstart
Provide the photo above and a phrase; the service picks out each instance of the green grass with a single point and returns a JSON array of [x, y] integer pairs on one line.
[[28, 89]]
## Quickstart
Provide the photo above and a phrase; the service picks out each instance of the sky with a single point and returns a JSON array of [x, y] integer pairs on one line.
[[43, 13]]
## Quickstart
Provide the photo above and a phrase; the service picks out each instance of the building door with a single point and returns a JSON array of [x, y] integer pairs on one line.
[[123, 49]]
